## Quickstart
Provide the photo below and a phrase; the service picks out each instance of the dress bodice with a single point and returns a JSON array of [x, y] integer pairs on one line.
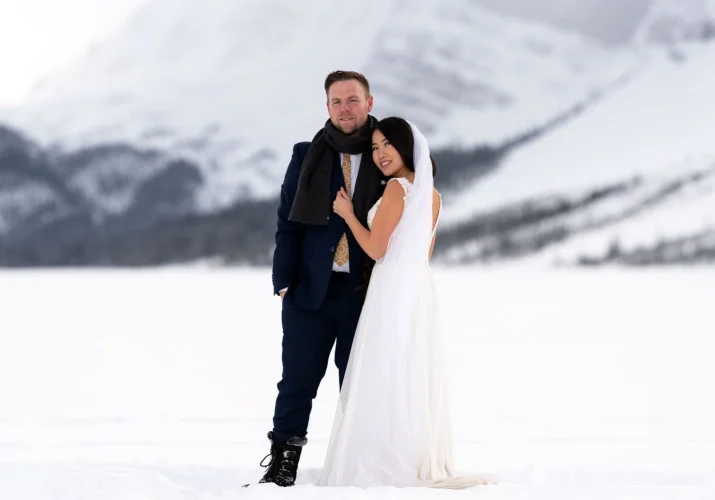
[[407, 187]]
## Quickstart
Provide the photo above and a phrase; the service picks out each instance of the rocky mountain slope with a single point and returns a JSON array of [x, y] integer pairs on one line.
[[168, 142]]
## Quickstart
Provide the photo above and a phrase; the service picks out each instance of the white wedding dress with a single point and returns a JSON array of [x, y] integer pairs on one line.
[[392, 426]]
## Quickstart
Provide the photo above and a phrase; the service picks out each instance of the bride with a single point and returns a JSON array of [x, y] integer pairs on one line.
[[392, 426]]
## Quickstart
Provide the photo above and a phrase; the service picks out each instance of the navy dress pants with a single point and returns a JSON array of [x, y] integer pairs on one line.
[[308, 339]]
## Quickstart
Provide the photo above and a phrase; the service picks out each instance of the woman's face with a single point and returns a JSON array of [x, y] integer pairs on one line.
[[385, 156]]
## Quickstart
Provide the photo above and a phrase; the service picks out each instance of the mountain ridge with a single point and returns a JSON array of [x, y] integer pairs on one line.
[[150, 196], [465, 76]]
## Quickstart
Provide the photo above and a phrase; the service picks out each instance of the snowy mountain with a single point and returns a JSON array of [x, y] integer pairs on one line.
[[614, 24], [232, 85], [168, 141], [671, 23], [634, 174]]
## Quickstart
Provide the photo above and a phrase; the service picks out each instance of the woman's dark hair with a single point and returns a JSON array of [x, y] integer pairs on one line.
[[399, 133]]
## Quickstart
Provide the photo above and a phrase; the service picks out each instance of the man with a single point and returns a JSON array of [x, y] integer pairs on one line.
[[318, 267]]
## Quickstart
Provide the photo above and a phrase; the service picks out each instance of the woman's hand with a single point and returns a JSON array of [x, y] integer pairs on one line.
[[343, 205]]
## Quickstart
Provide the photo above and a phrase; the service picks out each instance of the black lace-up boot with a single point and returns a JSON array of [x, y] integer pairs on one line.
[[283, 466]]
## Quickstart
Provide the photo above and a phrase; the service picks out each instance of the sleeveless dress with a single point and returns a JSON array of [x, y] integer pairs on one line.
[[392, 426]]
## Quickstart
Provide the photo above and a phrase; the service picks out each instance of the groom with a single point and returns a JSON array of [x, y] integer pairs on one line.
[[318, 267]]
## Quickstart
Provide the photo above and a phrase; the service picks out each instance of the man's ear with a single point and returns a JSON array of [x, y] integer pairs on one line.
[[369, 104]]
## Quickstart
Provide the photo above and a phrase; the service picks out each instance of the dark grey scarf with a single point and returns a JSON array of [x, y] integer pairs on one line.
[[313, 204]]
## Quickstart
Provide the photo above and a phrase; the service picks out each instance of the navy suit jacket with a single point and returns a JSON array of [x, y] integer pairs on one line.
[[303, 256]]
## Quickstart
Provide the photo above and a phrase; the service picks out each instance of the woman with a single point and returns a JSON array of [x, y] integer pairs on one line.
[[392, 425]]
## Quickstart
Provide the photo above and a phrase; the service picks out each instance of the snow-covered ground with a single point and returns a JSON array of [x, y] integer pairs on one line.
[[160, 384]]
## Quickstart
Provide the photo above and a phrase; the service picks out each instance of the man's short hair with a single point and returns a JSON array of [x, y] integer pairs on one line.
[[341, 76]]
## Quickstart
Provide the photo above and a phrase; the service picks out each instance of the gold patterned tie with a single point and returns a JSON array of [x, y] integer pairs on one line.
[[341, 254]]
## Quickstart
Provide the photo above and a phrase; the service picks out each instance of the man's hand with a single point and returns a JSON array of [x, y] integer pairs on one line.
[[282, 293]]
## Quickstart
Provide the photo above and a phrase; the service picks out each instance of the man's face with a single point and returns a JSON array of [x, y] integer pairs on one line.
[[348, 105]]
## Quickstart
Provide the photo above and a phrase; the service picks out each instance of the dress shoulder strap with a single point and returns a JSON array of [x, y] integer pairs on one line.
[[406, 187]]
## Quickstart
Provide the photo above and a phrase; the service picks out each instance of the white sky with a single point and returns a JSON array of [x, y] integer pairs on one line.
[[40, 36]]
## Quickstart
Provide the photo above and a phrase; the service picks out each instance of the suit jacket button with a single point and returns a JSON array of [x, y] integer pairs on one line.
[[332, 249]]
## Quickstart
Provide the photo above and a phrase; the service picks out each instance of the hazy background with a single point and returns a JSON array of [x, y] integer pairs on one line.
[[573, 260], [607, 20], [40, 36], [145, 133]]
